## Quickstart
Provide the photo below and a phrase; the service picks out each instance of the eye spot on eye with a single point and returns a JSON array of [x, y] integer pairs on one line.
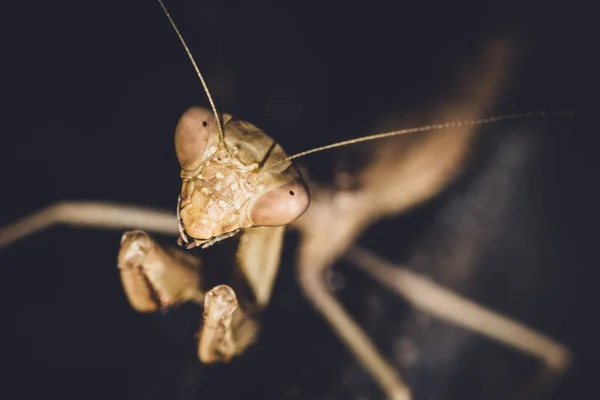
[[204, 123], [291, 192]]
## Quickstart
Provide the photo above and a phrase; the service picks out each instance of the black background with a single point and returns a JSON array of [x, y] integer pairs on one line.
[[91, 92]]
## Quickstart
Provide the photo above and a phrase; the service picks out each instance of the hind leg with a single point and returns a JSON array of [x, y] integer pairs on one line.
[[442, 303], [313, 283]]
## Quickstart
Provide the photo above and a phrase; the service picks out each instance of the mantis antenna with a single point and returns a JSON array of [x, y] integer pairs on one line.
[[447, 125], [191, 57]]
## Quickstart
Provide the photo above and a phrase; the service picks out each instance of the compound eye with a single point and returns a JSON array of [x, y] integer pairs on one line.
[[281, 205], [192, 135]]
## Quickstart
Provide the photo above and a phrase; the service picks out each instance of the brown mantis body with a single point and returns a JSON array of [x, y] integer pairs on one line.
[[220, 336]]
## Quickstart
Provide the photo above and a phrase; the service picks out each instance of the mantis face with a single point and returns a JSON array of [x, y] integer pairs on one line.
[[231, 182]]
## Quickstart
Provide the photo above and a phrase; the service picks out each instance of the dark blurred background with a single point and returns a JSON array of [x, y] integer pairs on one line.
[[91, 92]]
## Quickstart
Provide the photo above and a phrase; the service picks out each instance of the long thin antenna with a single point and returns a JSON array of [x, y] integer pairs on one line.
[[447, 125], [189, 53]]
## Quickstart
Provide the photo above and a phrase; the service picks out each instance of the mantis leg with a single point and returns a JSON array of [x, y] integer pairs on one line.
[[229, 327], [442, 303], [258, 258], [319, 250], [227, 330], [90, 214], [155, 278], [357, 341]]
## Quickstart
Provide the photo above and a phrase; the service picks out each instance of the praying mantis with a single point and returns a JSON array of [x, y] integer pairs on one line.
[[316, 225]]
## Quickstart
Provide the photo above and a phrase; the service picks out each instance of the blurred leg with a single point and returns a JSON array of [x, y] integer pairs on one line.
[[435, 300], [91, 215], [311, 278]]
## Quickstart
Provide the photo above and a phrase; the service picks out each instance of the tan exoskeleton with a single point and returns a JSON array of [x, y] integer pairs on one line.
[[236, 178], [233, 181]]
